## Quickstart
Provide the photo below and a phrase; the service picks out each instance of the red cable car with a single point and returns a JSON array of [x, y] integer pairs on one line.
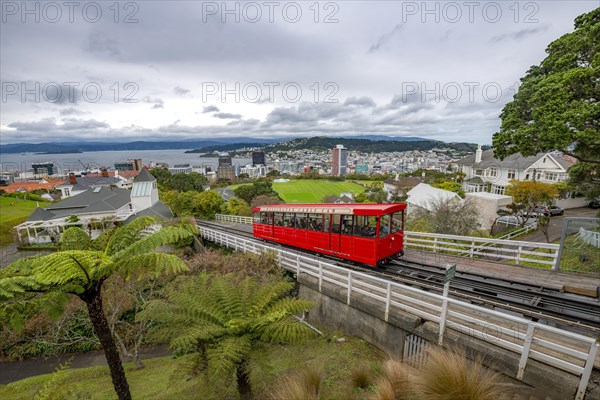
[[366, 233]]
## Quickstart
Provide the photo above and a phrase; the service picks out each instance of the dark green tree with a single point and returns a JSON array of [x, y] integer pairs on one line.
[[81, 270], [223, 320], [557, 106]]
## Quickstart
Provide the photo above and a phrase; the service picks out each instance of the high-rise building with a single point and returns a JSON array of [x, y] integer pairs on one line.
[[225, 160], [44, 169], [134, 164], [339, 160], [258, 158]]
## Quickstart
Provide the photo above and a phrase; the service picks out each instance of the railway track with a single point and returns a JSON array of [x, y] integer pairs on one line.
[[579, 313]]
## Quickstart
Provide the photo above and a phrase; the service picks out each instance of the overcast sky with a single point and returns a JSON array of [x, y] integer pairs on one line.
[[158, 70]]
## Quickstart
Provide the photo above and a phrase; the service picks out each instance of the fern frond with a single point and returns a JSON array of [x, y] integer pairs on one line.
[[165, 236], [225, 355], [71, 266], [150, 264], [127, 235], [285, 331], [12, 286], [267, 295], [74, 238]]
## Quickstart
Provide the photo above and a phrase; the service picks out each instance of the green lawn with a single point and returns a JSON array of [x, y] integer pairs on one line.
[[169, 378], [313, 191], [12, 213]]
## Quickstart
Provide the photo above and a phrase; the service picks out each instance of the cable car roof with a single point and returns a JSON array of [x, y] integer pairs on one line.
[[355, 208]]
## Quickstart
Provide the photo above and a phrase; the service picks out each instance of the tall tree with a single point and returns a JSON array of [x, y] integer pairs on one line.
[[81, 270], [557, 106], [223, 320]]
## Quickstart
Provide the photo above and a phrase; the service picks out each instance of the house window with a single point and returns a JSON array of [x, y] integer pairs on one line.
[[527, 177], [511, 174], [497, 189], [491, 172], [478, 172], [544, 160], [67, 192], [551, 176]]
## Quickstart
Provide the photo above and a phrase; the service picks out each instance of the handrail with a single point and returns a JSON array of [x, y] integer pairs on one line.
[[576, 353], [590, 237]]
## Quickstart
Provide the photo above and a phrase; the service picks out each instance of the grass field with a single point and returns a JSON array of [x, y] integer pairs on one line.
[[169, 378], [313, 191], [13, 215]]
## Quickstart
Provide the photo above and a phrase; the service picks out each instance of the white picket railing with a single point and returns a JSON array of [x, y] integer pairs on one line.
[[465, 246], [567, 351], [590, 237], [493, 249]]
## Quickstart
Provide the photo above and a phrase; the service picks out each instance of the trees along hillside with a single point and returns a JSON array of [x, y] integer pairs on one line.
[[557, 106], [80, 269]]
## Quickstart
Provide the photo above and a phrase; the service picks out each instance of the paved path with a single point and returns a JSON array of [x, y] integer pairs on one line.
[[10, 254], [556, 223]]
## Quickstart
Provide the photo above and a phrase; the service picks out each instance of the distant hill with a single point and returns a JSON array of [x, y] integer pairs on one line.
[[366, 145], [66, 147], [226, 147]]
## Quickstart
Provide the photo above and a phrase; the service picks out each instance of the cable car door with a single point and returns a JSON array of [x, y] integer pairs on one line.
[[335, 237]]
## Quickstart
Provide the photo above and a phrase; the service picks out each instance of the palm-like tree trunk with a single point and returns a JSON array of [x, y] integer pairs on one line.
[[243, 382], [102, 330]]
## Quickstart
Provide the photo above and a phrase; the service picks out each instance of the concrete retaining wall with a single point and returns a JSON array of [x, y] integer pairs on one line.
[[365, 319]]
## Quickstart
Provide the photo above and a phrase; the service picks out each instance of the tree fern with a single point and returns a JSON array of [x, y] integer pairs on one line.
[[227, 318], [81, 268]]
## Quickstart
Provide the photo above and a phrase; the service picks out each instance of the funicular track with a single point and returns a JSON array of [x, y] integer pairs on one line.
[[576, 312]]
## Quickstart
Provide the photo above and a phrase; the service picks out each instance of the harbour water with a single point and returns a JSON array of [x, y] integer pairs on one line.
[[97, 159]]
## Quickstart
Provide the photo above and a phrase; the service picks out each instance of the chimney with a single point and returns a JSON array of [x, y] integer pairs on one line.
[[104, 173], [72, 178], [478, 153]]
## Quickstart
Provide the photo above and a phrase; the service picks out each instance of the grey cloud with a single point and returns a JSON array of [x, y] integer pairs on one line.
[[384, 39], [227, 116], [518, 35], [156, 102], [208, 109], [101, 45], [72, 111], [363, 101], [180, 91]]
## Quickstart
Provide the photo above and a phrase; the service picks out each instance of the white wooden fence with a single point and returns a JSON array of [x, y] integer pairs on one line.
[[567, 351], [518, 252], [590, 237]]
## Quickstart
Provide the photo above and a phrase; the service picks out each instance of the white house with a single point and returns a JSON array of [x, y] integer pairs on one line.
[[424, 196], [482, 170], [95, 210]]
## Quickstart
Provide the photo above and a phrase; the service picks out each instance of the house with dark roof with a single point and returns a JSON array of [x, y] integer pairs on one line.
[[95, 209], [78, 184], [482, 170], [400, 186]]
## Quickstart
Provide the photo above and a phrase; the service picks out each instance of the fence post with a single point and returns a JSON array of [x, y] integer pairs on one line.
[[525, 351], [435, 244], [297, 264], [472, 248], [519, 248], [587, 370], [388, 301], [349, 287], [320, 275]]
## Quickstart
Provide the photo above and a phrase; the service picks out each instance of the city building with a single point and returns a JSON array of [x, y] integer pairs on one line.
[[134, 164], [225, 160], [44, 169], [95, 210], [180, 169], [258, 158], [257, 171], [226, 172], [339, 160], [6, 178]]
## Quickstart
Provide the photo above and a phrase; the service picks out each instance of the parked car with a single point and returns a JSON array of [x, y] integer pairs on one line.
[[595, 203], [549, 211]]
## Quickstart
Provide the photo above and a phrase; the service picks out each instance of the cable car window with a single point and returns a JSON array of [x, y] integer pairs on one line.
[[326, 221], [346, 224], [315, 222], [288, 220], [256, 217], [384, 226], [278, 219], [365, 226], [264, 218], [397, 222], [301, 221], [335, 224]]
